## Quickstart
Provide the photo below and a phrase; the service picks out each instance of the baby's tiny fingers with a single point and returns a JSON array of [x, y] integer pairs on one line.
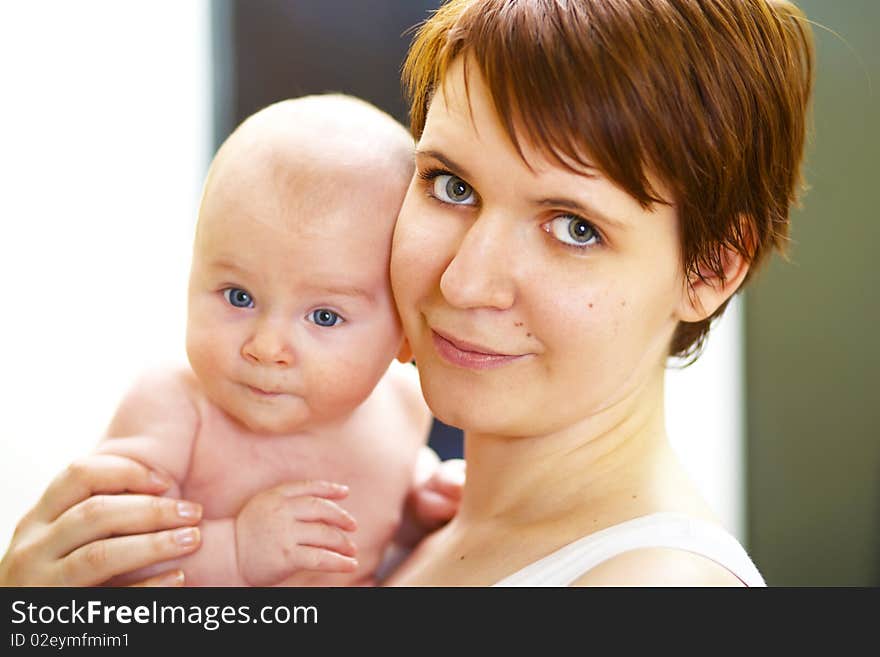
[[171, 578], [433, 509], [316, 487], [315, 558], [316, 534], [449, 478], [318, 509]]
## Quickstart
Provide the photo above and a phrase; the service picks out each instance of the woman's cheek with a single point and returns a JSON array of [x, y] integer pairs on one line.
[[424, 244]]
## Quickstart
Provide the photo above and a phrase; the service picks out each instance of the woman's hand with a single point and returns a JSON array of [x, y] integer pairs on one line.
[[101, 517]]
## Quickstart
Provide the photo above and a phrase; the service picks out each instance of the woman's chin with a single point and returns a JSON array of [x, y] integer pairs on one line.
[[471, 413]]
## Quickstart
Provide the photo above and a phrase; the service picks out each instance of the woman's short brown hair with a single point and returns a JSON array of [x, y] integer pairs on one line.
[[710, 96]]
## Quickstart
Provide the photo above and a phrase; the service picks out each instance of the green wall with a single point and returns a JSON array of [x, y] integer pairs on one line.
[[812, 338]]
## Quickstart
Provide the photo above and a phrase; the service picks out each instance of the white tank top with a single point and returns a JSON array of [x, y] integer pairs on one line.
[[658, 530]]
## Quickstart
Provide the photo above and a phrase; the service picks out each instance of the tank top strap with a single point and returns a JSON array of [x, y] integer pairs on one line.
[[657, 530]]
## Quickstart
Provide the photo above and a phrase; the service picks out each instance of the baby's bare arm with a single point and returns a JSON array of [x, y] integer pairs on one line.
[[156, 424]]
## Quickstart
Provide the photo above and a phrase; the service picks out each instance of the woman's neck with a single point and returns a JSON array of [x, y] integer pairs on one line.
[[593, 463]]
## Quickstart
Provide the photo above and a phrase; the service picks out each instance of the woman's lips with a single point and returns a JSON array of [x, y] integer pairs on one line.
[[464, 354]]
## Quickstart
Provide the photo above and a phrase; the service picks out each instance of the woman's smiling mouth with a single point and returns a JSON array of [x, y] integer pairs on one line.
[[468, 355]]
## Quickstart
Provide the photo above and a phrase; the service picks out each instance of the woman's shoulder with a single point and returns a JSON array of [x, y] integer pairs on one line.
[[664, 548], [658, 567]]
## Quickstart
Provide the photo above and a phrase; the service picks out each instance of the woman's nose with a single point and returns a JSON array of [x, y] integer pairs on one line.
[[269, 344], [480, 275]]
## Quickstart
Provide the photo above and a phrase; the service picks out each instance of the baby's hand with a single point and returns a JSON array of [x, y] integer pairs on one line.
[[295, 526], [435, 501]]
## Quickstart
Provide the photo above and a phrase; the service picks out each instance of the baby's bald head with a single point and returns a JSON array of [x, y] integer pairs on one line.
[[330, 147]]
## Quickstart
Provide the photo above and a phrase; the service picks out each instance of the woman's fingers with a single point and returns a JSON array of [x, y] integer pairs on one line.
[[98, 561], [96, 474], [170, 578], [103, 516]]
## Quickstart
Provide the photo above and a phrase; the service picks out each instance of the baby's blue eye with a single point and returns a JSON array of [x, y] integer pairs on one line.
[[238, 297], [324, 317], [452, 189]]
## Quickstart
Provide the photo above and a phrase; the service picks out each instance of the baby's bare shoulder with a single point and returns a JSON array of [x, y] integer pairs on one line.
[[399, 389], [157, 421], [158, 398]]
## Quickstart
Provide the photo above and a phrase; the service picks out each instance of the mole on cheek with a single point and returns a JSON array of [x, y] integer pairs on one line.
[[528, 335], [591, 305], [517, 324]]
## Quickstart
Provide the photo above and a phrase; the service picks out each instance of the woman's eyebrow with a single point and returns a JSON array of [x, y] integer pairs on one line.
[[445, 161], [579, 207]]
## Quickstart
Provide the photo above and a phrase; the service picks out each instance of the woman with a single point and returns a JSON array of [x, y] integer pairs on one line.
[[594, 181]]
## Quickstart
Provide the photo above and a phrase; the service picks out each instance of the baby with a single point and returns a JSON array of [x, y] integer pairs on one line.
[[290, 429]]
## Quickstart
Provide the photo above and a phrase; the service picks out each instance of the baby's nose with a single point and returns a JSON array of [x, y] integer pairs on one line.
[[269, 345]]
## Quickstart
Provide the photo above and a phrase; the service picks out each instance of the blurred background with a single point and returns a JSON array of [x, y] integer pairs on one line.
[[113, 110]]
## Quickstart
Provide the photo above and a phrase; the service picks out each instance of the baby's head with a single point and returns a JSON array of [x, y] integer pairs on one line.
[[291, 322]]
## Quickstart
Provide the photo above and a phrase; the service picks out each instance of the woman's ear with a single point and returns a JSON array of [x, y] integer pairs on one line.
[[405, 354], [704, 294]]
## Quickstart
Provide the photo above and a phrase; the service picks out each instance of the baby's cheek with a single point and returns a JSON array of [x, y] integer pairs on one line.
[[204, 349], [197, 350], [339, 385]]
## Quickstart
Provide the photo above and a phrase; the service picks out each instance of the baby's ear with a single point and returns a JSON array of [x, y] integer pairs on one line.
[[704, 293], [405, 354]]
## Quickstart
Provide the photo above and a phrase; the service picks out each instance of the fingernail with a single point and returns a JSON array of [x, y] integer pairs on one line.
[[189, 510], [160, 479], [187, 536], [175, 578]]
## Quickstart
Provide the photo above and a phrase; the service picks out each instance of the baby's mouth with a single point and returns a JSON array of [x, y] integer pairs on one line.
[[264, 393]]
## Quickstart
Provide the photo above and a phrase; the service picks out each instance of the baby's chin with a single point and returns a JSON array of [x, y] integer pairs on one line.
[[271, 417], [259, 423]]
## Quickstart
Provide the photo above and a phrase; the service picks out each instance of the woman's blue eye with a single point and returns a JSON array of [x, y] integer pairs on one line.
[[324, 317], [571, 229], [452, 189], [239, 298]]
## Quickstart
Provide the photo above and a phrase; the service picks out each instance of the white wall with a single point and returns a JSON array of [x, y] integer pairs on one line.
[[705, 411], [105, 133]]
